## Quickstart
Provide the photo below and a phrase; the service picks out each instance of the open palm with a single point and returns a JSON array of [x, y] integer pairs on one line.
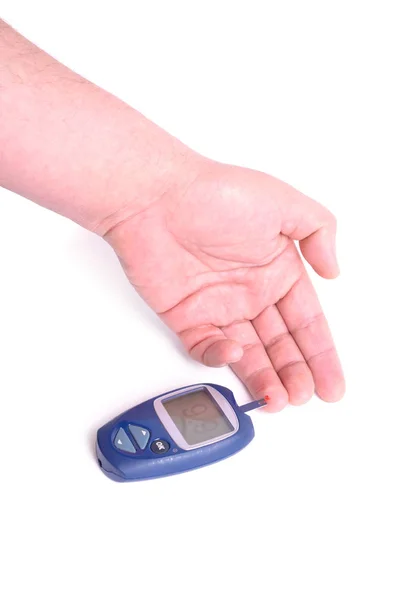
[[216, 260]]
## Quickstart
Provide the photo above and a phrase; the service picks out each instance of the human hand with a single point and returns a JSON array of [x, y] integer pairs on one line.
[[215, 258], [208, 246]]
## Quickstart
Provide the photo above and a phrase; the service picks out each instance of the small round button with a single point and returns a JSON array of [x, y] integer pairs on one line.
[[159, 446]]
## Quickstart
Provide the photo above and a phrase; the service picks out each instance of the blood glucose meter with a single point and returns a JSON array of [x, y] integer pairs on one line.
[[178, 431]]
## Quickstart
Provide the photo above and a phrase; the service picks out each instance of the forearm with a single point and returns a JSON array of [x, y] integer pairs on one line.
[[74, 148]]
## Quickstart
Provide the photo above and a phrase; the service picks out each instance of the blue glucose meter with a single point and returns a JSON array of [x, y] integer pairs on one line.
[[178, 431]]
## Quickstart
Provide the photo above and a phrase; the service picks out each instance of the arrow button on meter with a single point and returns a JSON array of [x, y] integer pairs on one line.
[[140, 435], [123, 442]]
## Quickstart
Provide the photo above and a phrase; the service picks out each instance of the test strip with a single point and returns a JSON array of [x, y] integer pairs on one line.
[[253, 405]]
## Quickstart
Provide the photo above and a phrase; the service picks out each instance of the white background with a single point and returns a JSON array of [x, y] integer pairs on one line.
[[302, 90]]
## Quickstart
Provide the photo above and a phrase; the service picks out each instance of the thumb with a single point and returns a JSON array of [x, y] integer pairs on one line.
[[319, 249], [314, 226]]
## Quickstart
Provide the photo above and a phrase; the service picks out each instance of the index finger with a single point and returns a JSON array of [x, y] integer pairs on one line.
[[302, 313]]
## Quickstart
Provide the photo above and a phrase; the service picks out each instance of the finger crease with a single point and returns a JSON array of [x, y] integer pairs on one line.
[[214, 341], [257, 372], [292, 363], [322, 353], [276, 339], [252, 346], [307, 323]]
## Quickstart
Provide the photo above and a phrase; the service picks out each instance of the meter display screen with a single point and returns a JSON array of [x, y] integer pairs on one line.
[[198, 417]]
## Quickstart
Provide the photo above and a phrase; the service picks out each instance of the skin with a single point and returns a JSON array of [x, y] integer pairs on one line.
[[210, 247]]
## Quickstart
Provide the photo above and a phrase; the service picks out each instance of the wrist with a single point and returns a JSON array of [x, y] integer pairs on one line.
[[143, 173]]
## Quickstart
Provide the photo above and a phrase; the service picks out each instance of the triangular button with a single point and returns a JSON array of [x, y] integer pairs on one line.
[[123, 442], [140, 435]]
